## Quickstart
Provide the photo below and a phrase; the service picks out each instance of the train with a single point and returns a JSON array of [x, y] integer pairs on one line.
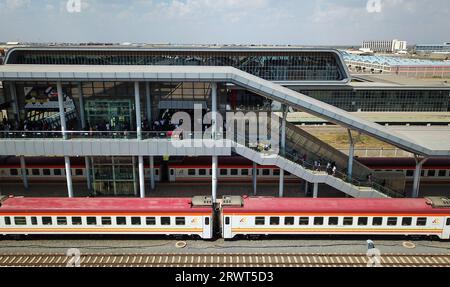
[[231, 218], [232, 169]]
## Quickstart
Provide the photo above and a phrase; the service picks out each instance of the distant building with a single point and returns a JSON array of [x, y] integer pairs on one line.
[[393, 46], [433, 48]]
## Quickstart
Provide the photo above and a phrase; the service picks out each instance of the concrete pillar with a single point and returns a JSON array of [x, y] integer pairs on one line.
[[23, 170], [215, 160], [141, 177], [15, 101], [88, 172], [306, 188], [133, 162], [82, 115], [137, 103], [62, 114], [152, 173], [254, 176], [68, 176], [316, 190], [214, 110], [283, 151], [417, 175], [351, 154], [149, 103]]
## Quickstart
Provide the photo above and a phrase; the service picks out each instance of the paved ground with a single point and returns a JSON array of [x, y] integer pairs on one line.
[[143, 244]]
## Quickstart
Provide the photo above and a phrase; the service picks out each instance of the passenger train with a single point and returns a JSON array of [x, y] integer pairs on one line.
[[232, 217], [199, 170]]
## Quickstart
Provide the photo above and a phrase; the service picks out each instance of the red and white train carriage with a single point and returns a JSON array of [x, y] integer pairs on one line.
[[296, 216], [149, 216]]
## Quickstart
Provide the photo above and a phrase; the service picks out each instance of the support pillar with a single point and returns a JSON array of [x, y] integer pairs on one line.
[[68, 176], [15, 102], [254, 176], [82, 115], [149, 103], [137, 104], [417, 175], [215, 159], [23, 170], [141, 177], [316, 190], [62, 117], [306, 188], [133, 162], [351, 153], [88, 173], [283, 151], [152, 173]]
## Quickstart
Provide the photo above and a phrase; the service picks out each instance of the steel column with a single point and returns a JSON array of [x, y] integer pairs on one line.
[[316, 190], [417, 175], [141, 177], [148, 102], [23, 170], [68, 176], [88, 172], [351, 153], [152, 173], [62, 113], [254, 176], [137, 104], [82, 115]]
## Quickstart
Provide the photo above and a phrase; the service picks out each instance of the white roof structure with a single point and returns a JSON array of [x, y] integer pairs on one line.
[[423, 143]]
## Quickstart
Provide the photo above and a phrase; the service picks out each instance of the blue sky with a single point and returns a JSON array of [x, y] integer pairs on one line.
[[305, 22]]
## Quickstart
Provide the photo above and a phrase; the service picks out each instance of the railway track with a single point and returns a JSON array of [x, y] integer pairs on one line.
[[222, 260]]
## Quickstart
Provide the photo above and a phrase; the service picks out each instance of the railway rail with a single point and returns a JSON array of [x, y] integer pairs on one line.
[[222, 260]]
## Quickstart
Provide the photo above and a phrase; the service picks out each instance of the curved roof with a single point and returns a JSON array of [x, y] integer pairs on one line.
[[394, 61]]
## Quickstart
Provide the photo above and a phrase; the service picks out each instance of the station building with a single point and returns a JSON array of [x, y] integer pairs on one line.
[[104, 101]]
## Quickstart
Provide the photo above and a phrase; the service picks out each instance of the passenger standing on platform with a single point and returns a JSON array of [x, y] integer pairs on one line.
[[334, 170]]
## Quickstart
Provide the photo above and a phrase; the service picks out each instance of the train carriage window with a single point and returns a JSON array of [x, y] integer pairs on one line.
[[266, 171], [106, 221], [172, 171], [431, 173], [191, 171], [442, 173], [274, 220], [13, 171], [303, 221], [362, 221], [210, 171], [318, 220], [244, 171], [121, 220], [448, 222], [78, 172], [34, 220], [206, 220], [421, 221], [76, 220], [406, 221], [202, 171], [289, 221], [90, 220], [46, 171], [348, 221], [150, 220], [20, 220], [392, 221], [135, 221], [409, 173], [61, 220], [260, 220], [234, 171], [333, 221], [276, 172], [165, 220], [223, 171], [7, 220], [377, 221], [227, 220], [57, 171], [46, 220], [35, 171], [156, 171], [180, 221]]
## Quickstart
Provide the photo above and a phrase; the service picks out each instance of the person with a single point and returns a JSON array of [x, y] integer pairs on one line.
[[369, 178], [329, 168], [334, 170]]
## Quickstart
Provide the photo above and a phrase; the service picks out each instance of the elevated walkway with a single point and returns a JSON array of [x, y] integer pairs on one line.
[[225, 75]]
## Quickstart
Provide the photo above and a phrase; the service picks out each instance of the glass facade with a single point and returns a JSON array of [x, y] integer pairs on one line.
[[114, 176], [272, 66], [384, 100]]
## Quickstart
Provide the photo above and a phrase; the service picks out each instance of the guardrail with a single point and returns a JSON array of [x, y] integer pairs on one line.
[[379, 152]]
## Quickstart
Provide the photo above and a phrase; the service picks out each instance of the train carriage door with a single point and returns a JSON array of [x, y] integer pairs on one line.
[[164, 177], [226, 226], [207, 227], [446, 230]]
